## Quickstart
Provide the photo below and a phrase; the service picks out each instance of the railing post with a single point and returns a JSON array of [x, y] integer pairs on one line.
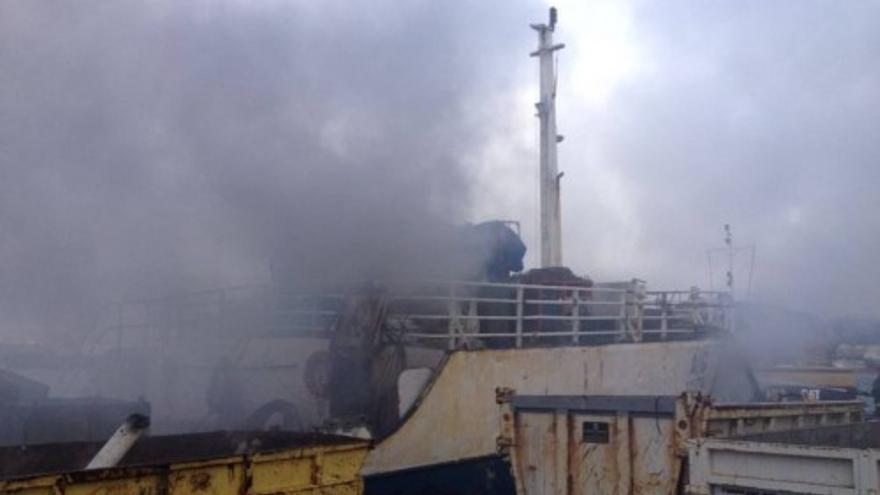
[[472, 324], [630, 310], [635, 296], [639, 294], [453, 317], [520, 296], [664, 315]]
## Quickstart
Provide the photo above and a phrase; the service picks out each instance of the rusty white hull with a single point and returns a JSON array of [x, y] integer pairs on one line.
[[454, 429]]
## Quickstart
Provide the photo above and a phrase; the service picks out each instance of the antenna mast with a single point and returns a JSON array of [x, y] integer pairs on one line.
[[728, 240], [551, 223], [731, 251]]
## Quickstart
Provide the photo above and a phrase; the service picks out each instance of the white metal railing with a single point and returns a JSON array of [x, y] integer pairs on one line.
[[465, 313], [439, 314], [241, 311]]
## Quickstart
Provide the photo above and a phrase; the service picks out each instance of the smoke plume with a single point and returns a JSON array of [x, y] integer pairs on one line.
[[152, 148]]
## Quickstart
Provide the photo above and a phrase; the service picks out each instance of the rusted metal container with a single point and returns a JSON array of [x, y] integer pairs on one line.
[[631, 444], [206, 464], [823, 460]]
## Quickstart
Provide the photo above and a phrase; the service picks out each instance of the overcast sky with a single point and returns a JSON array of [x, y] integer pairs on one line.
[[164, 146], [680, 117]]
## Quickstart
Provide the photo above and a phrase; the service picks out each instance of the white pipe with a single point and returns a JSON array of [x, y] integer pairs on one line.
[[121, 442]]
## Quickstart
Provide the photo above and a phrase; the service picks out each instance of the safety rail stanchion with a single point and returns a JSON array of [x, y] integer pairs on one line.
[[472, 323], [520, 295], [664, 316], [640, 311], [453, 317], [628, 326]]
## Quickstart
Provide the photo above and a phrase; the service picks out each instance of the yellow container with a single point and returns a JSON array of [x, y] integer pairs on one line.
[[331, 468]]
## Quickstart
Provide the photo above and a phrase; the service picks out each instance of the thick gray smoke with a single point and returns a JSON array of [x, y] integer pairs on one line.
[[764, 115], [148, 148]]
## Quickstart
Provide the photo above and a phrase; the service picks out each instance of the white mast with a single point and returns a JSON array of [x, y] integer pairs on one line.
[[551, 224]]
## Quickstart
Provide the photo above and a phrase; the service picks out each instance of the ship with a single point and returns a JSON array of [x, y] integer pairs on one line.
[[512, 382]]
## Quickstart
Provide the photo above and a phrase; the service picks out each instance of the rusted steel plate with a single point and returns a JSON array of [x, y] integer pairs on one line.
[[299, 466], [762, 467], [809, 376], [859, 435], [66, 457]]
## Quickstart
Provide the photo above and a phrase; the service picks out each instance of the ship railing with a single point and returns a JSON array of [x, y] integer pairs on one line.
[[242, 312], [437, 314], [463, 314]]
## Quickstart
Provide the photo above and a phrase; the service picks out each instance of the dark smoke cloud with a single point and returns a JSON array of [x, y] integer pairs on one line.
[[148, 148]]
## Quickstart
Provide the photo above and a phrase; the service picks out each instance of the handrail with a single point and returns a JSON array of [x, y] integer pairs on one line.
[[457, 312]]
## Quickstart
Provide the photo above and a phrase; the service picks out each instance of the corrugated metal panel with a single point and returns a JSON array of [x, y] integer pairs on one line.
[[726, 420], [723, 465], [328, 469]]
